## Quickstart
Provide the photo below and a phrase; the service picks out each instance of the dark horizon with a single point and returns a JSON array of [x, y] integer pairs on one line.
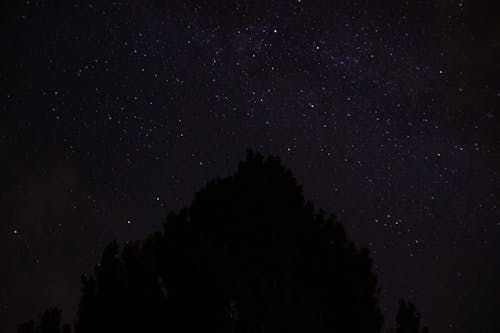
[[387, 114]]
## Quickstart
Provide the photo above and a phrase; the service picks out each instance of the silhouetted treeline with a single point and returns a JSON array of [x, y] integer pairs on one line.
[[48, 322], [249, 255]]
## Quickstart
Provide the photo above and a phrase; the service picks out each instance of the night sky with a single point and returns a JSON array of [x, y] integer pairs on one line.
[[113, 114]]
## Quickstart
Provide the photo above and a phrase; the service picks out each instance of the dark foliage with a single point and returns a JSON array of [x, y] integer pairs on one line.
[[49, 321], [249, 255], [408, 319]]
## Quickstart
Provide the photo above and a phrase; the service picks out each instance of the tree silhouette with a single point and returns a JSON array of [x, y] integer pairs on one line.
[[249, 255], [49, 322], [408, 319]]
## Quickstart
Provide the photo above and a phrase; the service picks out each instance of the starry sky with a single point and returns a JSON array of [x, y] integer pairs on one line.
[[114, 113]]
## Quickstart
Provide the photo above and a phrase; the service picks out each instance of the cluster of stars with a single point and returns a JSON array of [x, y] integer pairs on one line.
[[372, 107]]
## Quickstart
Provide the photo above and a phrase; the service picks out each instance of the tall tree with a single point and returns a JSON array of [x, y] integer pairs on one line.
[[250, 254]]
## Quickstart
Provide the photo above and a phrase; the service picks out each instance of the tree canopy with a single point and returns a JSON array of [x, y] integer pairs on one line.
[[250, 254]]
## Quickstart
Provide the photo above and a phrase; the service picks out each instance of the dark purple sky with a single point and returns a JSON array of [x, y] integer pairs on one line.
[[387, 112]]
